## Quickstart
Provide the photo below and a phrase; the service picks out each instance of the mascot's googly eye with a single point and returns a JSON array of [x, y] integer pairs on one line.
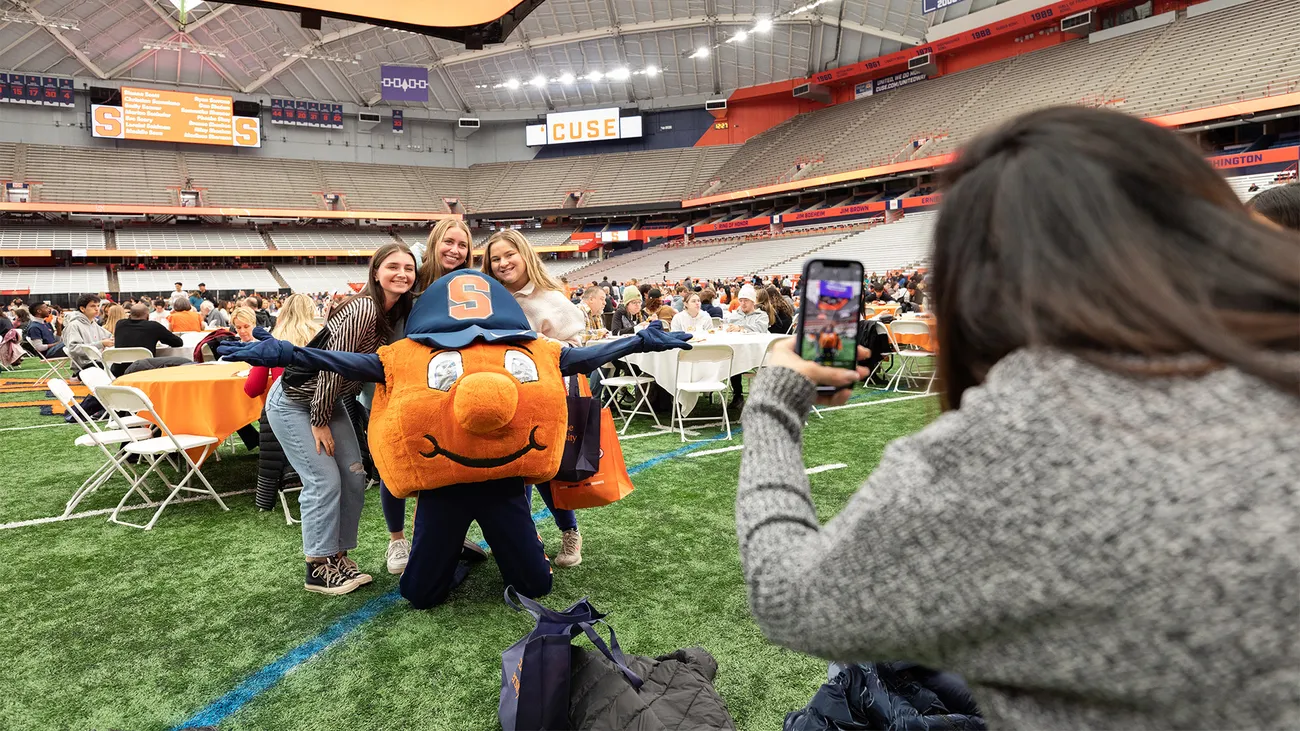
[[445, 369], [521, 366]]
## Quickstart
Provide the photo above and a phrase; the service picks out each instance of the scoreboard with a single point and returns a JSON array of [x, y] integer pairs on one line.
[[50, 91], [156, 115], [306, 114]]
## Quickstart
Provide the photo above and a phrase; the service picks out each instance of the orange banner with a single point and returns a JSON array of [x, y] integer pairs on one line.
[[155, 115], [742, 224], [861, 209], [1259, 157], [434, 13], [936, 161]]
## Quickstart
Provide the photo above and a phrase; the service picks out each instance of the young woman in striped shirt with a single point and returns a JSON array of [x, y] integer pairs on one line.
[[312, 425]]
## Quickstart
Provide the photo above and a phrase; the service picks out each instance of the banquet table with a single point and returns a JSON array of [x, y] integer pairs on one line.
[[923, 341], [202, 399], [191, 340], [748, 348]]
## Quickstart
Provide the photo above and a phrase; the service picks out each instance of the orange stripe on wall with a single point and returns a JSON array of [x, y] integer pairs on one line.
[[50, 207], [898, 167]]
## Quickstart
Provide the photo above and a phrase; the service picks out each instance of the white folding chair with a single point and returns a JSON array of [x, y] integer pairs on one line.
[[714, 359], [93, 378], [53, 366], [284, 502], [89, 353], [152, 450], [96, 437], [639, 383], [909, 358], [717, 323], [114, 356]]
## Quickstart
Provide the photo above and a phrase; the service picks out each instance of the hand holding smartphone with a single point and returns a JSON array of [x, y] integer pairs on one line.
[[830, 297]]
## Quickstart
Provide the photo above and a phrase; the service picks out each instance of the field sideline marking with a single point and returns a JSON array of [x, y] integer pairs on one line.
[[106, 511], [257, 683], [36, 426], [825, 468], [707, 452]]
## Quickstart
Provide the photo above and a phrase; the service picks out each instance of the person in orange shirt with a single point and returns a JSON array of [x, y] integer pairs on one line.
[[183, 318]]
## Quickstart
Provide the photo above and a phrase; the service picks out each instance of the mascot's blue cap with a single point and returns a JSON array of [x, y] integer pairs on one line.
[[465, 306]]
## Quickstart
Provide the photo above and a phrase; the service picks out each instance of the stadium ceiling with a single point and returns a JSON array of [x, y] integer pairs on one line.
[[258, 51]]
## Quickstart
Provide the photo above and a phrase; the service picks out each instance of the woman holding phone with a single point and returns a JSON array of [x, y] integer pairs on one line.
[[1100, 530]]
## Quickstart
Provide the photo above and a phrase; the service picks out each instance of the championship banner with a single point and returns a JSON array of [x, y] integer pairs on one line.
[[929, 6], [50, 91], [306, 114], [397, 122], [404, 83]]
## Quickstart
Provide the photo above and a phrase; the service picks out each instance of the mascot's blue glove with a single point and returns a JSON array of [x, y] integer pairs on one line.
[[271, 353], [652, 339]]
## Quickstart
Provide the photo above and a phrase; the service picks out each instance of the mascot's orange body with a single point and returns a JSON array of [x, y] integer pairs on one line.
[[501, 413]]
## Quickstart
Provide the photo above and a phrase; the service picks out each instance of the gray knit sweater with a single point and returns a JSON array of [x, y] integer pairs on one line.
[[1089, 550]]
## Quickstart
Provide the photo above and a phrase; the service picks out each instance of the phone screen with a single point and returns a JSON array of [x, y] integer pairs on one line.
[[829, 320]]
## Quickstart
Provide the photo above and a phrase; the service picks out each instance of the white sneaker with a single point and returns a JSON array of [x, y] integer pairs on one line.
[[398, 553]]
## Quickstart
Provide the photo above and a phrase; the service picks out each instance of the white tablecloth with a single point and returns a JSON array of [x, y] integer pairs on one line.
[[191, 341], [748, 348]]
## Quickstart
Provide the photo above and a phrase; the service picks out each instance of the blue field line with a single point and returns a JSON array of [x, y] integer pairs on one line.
[[270, 674]]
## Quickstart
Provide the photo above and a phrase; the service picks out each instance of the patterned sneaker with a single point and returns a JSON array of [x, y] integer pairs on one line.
[[324, 577], [570, 549], [349, 568], [399, 551]]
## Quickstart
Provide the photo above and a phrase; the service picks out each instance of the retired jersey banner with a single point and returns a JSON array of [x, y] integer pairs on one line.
[[929, 6], [404, 83], [398, 122]]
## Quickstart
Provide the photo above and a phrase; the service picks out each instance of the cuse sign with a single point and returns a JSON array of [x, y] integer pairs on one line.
[[587, 126]]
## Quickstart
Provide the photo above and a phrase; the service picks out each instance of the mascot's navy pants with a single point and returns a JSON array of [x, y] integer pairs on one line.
[[442, 517]]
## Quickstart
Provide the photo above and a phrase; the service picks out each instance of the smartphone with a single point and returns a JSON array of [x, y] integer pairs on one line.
[[830, 297]]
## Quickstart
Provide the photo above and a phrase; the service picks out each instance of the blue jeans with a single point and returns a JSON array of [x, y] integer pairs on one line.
[[333, 488], [564, 519]]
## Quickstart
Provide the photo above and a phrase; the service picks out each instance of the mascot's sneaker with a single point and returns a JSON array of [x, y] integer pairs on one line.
[[349, 568], [324, 577], [471, 552], [570, 549], [398, 553]]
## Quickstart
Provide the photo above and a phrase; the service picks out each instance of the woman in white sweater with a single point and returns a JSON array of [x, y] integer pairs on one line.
[[692, 319], [511, 260]]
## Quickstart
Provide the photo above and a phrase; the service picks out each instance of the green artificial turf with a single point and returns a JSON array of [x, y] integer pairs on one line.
[[109, 627]]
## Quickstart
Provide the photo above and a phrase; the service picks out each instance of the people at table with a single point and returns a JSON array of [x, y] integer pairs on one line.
[[220, 315], [707, 299], [160, 313], [312, 424], [692, 319], [80, 327], [138, 331], [746, 318], [509, 258], [244, 321], [183, 318], [780, 314], [628, 315]]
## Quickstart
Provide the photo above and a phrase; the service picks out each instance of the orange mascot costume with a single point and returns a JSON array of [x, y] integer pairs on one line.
[[469, 410]]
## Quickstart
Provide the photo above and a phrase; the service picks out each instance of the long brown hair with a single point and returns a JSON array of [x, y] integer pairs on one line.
[[537, 272], [777, 303], [1096, 233], [431, 268], [384, 322]]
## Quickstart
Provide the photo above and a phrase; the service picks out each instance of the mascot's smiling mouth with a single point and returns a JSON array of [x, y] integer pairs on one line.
[[486, 461]]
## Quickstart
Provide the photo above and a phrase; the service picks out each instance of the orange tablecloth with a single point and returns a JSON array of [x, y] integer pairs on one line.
[[923, 341], [206, 400], [878, 309]]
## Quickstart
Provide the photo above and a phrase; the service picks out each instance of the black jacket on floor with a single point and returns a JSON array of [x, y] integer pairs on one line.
[[677, 693], [894, 696]]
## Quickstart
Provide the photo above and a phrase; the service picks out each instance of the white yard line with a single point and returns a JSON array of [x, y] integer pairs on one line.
[[825, 468], [706, 452], [106, 511], [656, 433], [36, 426], [824, 409]]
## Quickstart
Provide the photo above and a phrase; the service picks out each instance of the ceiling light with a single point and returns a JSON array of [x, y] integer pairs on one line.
[[740, 36], [512, 84], [566, 78], [701, 52], [651, 70], [538, 81], [594, 76], [764, 25], [619, 75], [11, 16]]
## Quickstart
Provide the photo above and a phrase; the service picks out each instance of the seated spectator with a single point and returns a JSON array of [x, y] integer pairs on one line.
[[1100, 532], [183, 318], [664, 314], [5, 324], [196, 301], [160, 312], [244, 322], [220, 315], [592, 306], [654, 299], [747, 317], [706, 303], [628, 315], [1280, 206], [780, 313], [81, 328], [138, 331], [264, 318], [693, 319]]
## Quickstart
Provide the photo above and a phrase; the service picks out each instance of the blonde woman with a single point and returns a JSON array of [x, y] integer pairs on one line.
[[243, 320], [114, 315], [511, 260], [449, 248], [296, 324]]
